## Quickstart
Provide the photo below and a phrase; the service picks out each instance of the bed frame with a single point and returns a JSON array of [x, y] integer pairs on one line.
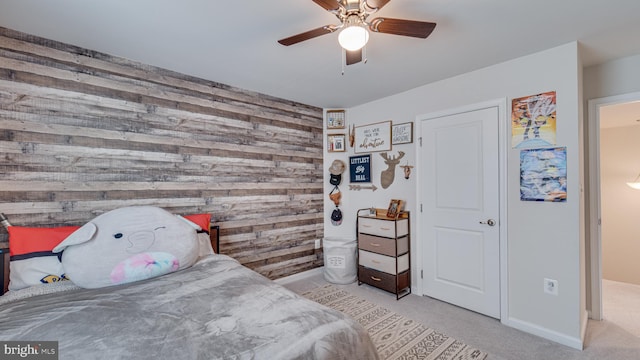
[[214, 237], [4, 269]]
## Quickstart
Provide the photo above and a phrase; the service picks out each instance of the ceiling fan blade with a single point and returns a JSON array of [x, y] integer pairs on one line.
[[376, 4], [419, 29], [354, 56], [307, 35], [328, 4]]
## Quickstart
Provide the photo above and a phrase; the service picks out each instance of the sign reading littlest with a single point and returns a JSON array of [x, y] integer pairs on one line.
[[360, 168]]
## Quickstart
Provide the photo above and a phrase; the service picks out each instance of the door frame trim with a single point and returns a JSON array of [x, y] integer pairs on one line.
[[594, 256], [503, 139]]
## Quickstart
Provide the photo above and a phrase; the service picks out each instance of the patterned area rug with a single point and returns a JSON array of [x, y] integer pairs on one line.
[[395, 336]]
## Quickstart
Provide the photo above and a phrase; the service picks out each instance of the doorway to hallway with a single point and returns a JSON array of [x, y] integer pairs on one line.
[[614, 161]]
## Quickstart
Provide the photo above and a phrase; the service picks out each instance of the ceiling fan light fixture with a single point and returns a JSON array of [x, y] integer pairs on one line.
[[354, 27], [635, 184], [353, 37]]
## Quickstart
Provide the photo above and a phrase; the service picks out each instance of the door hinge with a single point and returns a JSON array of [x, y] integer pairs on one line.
[[421, 274], [420, 207], [420, 139]]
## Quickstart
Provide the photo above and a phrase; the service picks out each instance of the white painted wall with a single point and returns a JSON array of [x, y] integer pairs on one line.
[[619, 164], [616, 77], [544, 239]]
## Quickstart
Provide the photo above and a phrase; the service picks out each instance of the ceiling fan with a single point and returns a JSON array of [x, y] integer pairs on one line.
[[353, 16]]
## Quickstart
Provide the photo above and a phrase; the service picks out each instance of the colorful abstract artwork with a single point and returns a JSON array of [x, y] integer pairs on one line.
[[543, 174], [533, 121]]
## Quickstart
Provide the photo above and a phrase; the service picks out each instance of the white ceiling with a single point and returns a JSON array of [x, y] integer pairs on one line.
[[234, 42]]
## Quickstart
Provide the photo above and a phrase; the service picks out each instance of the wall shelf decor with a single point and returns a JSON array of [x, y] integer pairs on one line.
[[335, 119], [335, 142]]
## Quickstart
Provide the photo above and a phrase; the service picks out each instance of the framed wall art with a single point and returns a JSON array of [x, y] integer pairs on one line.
[[360, 168], [395, 206], [335, 142], [373, 137], [402, 133], [335, 119]]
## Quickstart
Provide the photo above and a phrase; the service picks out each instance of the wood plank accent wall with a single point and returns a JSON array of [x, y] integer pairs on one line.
[[82, 132]]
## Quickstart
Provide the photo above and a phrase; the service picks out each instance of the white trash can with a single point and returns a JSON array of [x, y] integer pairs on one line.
[[340, 266]]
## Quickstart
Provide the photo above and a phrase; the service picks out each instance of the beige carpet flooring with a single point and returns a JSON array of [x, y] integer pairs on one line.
[[605, 340], [621, 305]]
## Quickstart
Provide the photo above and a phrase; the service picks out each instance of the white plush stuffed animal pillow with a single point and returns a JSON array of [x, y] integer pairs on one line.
[[128, 244]]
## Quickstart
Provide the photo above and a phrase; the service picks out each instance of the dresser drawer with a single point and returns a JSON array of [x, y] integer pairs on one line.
[[383, 263], [384, 281], [376, 278], [384, 246], [382, 227]]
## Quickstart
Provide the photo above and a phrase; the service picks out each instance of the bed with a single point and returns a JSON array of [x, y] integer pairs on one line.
[[214, 309]]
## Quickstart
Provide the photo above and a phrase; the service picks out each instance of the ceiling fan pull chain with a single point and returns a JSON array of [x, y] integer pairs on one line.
[[364, 54], [343, 58]]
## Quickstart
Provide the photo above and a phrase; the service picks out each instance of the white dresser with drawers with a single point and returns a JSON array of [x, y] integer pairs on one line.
[[384, 251]]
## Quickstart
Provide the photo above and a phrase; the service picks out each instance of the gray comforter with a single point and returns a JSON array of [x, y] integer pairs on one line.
[[216, 309]]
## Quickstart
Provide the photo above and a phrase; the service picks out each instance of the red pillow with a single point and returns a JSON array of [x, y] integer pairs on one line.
[[25, 240], [202, 220], [32, 261], [204, 242]]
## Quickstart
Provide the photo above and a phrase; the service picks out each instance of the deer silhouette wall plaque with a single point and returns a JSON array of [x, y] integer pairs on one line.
[[388, 175]]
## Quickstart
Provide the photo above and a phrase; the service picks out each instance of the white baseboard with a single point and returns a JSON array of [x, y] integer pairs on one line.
[[585, 322], [572, 342], [299, 276]]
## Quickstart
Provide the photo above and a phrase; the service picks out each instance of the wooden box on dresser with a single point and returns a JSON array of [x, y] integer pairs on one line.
[[384, 258]]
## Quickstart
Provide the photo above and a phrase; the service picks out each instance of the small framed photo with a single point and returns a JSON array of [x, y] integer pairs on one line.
[[395, 207], [335, 119], [402, 133], [335, 142]]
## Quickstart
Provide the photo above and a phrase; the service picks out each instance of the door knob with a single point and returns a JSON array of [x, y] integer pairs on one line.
[[489, 222]]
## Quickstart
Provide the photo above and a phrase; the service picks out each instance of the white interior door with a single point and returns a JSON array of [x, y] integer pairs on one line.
[[460, 217]]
